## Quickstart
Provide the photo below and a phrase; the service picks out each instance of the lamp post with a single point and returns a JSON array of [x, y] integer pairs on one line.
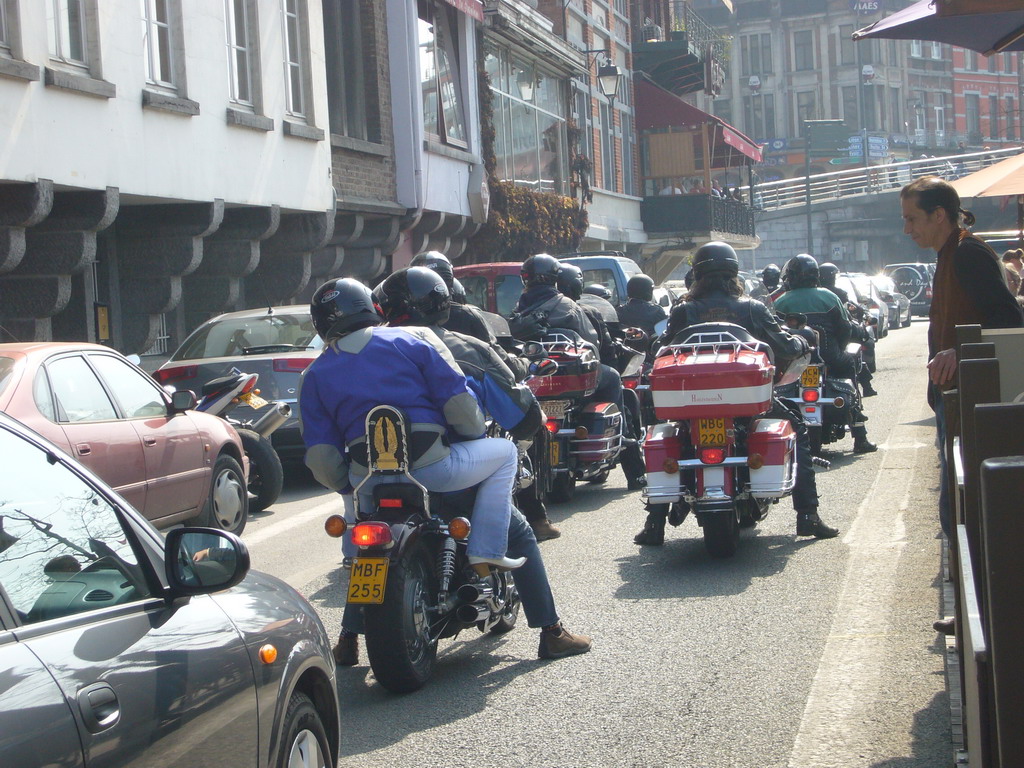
[[608, 78]]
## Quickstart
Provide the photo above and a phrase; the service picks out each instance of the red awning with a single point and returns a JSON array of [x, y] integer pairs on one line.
[[474, 8], [658, 108]]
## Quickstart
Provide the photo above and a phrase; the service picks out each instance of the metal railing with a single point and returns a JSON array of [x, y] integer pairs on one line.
[[875, 179]]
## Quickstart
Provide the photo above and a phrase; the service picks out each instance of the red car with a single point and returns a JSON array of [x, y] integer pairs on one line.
[[492, 287], [171, 463]]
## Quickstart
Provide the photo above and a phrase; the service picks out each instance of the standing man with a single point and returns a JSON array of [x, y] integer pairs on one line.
[[968, 288]]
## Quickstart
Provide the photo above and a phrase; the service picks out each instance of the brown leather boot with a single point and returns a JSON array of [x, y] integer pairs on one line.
[[544, 530], [557, 641], [346, 652]]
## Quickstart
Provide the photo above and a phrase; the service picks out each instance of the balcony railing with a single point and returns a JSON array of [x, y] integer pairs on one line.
[[696, 215]]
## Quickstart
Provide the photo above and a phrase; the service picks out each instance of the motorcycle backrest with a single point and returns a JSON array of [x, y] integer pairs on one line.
[[388, 441]]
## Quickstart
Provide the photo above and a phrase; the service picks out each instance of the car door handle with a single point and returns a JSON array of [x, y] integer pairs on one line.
[[84, 449], [99, 707], [149, 440]]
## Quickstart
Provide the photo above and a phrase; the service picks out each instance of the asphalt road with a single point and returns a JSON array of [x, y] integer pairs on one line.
[[794, 653]]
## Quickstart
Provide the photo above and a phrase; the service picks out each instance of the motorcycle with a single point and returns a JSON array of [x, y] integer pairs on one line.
[[715, 451], [412, 575], [584, 440], [219, 397]]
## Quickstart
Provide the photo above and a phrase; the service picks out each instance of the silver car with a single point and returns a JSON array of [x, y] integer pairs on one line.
[[120, 648]]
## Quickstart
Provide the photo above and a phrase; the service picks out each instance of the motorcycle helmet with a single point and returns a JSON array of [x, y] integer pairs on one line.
[[640, 287], [438, 262], [688, 279], [597, 289], [458, 292], [715, 258], [541, 269], [770, 276], [827, 274], [801, 272], [413, 296], [570, 281], [341, 306]]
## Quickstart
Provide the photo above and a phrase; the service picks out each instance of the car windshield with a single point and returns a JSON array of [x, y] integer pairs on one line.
[[863, 286], [507, 290], [257, 335], [884, 284], [6, 371], [606, 278], [847, 285]]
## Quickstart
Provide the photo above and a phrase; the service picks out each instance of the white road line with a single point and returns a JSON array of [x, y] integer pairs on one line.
[[847, 685], [293, 521]]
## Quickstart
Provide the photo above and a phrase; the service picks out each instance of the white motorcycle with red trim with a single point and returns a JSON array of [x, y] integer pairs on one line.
[[716, 451]]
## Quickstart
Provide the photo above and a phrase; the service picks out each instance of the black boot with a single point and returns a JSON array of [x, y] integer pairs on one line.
[[653, 534], [809, 524], [861, 444]]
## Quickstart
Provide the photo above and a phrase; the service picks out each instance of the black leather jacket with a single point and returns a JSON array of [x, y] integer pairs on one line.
[[605, 345], [467, 319], [637, 313], [606, 309], [542, 307], [720, 307]]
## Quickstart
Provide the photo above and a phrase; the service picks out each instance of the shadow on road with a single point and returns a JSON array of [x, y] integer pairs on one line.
[[931, 744], [682, 567]]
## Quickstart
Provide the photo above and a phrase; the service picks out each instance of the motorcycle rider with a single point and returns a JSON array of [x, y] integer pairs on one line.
[[418, 297], [464, 318], [541, 307], [412, 371], [640, 310], [597, 297], [804, 295], [717, 296], [827, 273]]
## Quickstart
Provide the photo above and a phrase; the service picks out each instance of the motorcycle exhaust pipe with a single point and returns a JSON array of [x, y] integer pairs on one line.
[[471, 613], [278, 414], [472, 593]]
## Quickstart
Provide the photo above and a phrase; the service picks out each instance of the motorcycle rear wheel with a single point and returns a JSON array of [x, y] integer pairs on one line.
[[600, 477], [721, 533], [400, 651], [266, 475], [563, 488]]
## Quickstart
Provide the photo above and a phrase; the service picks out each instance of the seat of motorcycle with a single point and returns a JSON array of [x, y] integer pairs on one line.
[[449, 504], [216, 385]]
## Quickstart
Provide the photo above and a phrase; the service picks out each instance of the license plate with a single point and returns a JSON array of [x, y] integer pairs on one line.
[[711, 432], [554, 409], [367, 580], [556, 451], [252, 400], [811, 377]]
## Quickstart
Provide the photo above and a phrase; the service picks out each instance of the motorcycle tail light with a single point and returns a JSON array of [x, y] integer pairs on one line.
[[630, 383], [371, 534], [165, 375], [335, 526], [712, 455], [552, 425], [812, 409], [292, 364], [390, 503], [250, 386], [810, 395]]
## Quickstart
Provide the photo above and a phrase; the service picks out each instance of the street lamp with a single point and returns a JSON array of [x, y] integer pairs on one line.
[[608, 78], [524, 80]]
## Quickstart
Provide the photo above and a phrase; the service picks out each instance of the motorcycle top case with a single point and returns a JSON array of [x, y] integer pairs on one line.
[[697, 382], [575, 378]]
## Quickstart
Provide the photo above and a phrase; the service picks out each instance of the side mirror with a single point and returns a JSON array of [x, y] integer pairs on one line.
[[544, 367], [533, 349], [199, 561], [183, 400], [134, 359], [635, 334]]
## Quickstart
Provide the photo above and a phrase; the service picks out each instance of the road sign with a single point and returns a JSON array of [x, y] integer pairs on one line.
[[826, 137], [844, 160]]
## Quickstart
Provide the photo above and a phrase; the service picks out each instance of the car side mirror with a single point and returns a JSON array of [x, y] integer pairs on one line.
[[200, 561], [183, 400], [544, 367]]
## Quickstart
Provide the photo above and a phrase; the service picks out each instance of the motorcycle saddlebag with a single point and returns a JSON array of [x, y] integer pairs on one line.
[[697, 382], [661, 444], [603, 423], [575, 378], [775, 442]]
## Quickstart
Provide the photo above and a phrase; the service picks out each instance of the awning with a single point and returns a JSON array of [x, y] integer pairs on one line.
[[658, 108], [474, 8], [986, 33]]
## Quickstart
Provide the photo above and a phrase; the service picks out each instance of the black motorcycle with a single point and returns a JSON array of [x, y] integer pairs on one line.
[[412, 575]]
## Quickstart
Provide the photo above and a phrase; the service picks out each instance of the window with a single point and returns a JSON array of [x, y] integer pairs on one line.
[[936, 50], [295, 64], [756, 54], [608, 175], [156, 37], [66, 31], [80, 396], [346, 90], [136, 393], [5, 41], [806, 109], [1011, 119], [240, 24], [759, 115], [993, 114], [851, 110], [803, 50], [915, 48], [628, 153], [847, 53], [973, 105], [991, 62], [64, 549], [441, 74], [940, 120], [970, 60]]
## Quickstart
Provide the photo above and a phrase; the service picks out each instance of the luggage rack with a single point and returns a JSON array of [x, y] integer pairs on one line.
[[716, 341], [556, 342]]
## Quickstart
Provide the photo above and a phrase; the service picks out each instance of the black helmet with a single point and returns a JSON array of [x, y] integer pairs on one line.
[[688, 279], [770, 276], [438, 262], [541, 269], [715, 258], [341, 306], [640, 287], [413, 296], [801, 271], [827, 274], [598, 289], [458, 292], [570, 281]]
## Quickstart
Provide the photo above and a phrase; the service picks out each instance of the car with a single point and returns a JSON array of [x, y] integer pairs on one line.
[[869, 297], [844, 282], [171, 463], [913, 280], [899, 305], [494, 287], [612, 269], [118, 647], [278, 343]]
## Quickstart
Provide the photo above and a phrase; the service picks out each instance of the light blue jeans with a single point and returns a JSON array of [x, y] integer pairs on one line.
[[489, 463]]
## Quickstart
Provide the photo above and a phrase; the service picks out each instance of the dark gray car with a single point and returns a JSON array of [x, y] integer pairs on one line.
[[120, 648]]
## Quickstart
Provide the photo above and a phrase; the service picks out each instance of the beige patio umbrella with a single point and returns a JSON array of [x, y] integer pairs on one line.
[[998, 180]]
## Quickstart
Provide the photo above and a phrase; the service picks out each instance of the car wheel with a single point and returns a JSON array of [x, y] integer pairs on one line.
[[228, 503], [303, 739]]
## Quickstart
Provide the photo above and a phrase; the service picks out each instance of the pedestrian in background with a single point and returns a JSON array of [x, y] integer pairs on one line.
[[1012, 263]]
